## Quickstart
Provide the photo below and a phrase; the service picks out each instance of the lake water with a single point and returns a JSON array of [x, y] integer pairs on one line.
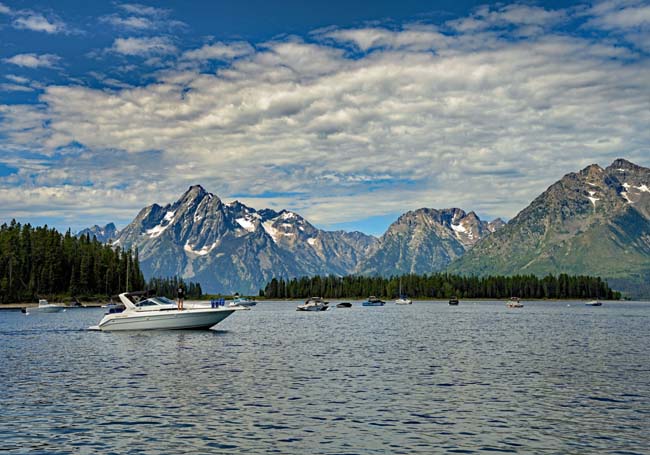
[[426, 378]]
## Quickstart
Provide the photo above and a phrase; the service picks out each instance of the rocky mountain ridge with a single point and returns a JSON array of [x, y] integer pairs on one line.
[[231, 247], [103, 234], [595, 221], [425, 241]]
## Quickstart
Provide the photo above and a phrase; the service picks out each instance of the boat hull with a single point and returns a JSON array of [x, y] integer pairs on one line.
[[45, 309], [167, 320], [312, 308], [373, 303]]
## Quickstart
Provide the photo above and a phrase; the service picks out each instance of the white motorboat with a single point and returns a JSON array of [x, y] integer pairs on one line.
[[313, 304], [514, 302], [242, 301], [594, 303], [160, 313], [45, 307]]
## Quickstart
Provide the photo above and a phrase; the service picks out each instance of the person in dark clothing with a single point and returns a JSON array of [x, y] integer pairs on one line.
[[181, 296]]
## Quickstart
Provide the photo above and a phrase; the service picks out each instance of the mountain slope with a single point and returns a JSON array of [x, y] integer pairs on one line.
[[596, 222], [232, 247], [102, 234], [425, 241]]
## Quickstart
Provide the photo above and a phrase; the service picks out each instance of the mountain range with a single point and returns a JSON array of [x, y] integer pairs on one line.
[[595, 221], [231, 247]]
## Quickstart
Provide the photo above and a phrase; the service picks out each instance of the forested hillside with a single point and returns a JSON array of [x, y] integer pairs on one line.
[[40, 261]]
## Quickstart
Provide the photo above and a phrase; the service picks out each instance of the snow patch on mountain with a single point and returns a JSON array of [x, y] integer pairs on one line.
[[202, 252], [156, 230], [270, 230], [246, 224]]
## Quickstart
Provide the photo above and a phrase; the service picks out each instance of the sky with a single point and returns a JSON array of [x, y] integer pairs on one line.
[[349, 113]]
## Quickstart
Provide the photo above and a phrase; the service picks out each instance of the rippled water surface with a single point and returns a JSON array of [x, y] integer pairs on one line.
[[553, 377]]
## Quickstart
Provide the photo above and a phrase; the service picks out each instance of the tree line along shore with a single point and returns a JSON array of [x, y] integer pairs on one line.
[[442, 286]]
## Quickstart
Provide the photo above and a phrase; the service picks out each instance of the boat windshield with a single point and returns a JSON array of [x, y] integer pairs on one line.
[[155, 301]]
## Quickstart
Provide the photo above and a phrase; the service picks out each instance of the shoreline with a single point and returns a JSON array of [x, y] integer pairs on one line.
[[18, 306]]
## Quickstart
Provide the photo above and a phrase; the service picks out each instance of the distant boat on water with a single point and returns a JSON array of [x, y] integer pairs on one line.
[[594, 303], [344, 305], [314, 304], [373, 301], [44, 307], [403, 299], [453, 300], [514, 302], [243, 301]]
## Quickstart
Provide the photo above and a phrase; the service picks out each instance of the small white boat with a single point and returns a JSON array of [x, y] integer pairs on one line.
[[313, 304], [242, 301], [403, 299], [594, 303], [160, 313], [514, 302], [45, 307]]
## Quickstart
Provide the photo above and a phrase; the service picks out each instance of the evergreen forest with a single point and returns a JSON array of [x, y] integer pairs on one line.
[[442, 286], [169, 287], [37, 262]]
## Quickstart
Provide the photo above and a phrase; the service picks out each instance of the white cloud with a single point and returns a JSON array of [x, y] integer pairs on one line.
[[506, 16], [15, 88], [616, 15], [416, 38], [219, 51], [39, 23], [414, 116], [144, 10], [629, 18], [34, 60], [143, 46], [17, 79], [4, 9], [130, 22]]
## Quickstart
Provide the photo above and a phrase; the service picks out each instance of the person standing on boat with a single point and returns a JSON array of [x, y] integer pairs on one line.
[[181, 296]]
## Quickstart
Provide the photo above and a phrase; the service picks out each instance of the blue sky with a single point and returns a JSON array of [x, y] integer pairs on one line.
[[349, 113]]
